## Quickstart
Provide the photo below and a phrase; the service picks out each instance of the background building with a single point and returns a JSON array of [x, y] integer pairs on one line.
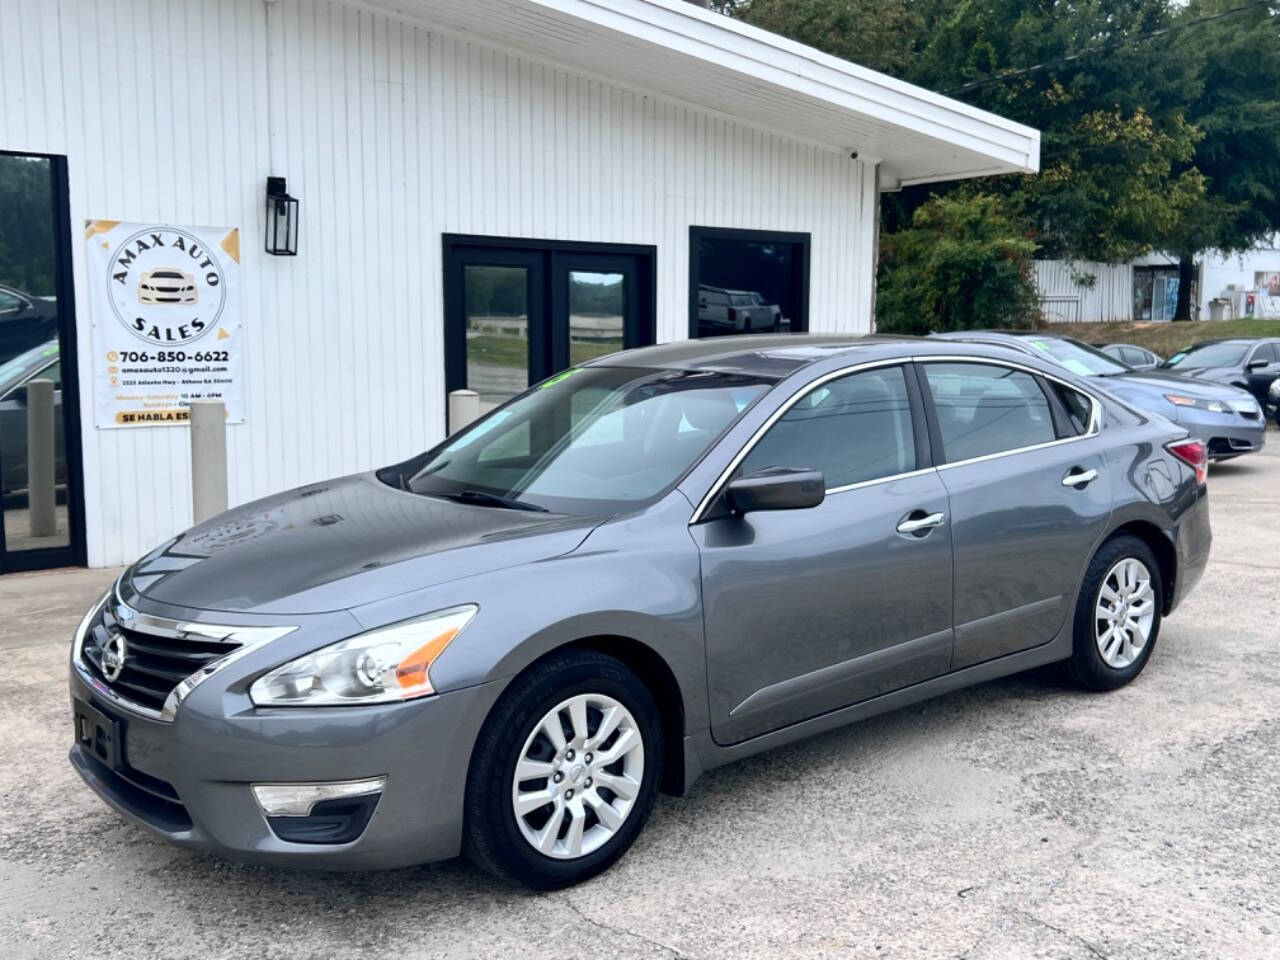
[[487, 190]]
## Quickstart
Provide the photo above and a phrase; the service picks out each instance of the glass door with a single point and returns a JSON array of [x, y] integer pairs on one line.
[[518, 311], [39, 449]]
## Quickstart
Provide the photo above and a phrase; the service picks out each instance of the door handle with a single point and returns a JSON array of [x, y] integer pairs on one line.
[[1079, 479], [914, 524]]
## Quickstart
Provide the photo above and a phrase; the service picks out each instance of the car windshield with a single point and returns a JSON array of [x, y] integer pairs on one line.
[[1205, 355], [17, 370], [591, 440], [1079, 358]]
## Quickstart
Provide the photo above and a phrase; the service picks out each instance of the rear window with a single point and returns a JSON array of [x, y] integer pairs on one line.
[[985, 409]]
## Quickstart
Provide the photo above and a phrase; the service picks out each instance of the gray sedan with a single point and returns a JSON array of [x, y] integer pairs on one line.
[[642, 568]]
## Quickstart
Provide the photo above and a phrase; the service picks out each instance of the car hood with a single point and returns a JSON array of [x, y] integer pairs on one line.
[[335, 545], [1161, 381]]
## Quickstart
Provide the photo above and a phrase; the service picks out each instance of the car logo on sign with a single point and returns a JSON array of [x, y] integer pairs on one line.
[[113, 655]]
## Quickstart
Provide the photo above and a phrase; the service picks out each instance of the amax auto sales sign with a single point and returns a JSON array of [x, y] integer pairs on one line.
[[166, 321]]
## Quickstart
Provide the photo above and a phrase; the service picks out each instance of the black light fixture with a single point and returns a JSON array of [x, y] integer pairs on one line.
[[282, 219]]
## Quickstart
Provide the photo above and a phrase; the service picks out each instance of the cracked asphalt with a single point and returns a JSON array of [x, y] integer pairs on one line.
[[1017, 819]]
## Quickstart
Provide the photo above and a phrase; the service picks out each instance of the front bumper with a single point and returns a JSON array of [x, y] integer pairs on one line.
[[189, 781], [1224, 435]]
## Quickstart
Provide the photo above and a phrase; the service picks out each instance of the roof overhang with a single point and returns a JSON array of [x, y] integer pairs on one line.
[[677, 50]]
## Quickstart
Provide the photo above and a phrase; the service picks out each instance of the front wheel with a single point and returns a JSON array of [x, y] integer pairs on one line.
[[1118, 615], [564, 773]]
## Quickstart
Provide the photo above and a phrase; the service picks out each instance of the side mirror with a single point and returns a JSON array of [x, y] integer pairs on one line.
[[1258, 364], [777, 488]]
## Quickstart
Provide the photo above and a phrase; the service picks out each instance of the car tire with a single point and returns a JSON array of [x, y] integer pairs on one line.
[[1107, 626], [506, 844]]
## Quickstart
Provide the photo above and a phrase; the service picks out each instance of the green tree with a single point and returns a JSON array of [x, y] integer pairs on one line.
[[964, 263], [1237, 112]]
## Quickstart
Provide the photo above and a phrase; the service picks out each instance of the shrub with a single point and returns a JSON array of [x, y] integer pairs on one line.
[[963, 264]]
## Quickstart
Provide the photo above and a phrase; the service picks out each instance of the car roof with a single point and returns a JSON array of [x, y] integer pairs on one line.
[[776, 355]]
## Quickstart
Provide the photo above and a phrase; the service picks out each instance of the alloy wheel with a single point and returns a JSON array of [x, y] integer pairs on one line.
[[578, 776], [1124, 613]]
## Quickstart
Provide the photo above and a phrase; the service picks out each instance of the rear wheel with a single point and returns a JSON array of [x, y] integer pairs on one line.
[[564, 773], [1117, 616]]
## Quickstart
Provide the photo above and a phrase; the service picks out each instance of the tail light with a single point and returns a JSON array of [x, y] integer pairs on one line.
[[733, 315], [1194, 454]]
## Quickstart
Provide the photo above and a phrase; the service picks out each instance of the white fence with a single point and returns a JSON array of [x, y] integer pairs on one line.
[[1073, 291]]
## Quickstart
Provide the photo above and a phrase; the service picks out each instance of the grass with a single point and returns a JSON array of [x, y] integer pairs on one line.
[[1167, 339], [514, 352]]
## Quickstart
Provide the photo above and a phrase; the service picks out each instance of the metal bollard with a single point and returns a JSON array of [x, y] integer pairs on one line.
[[464, 407], [208, 459], [42, 497]]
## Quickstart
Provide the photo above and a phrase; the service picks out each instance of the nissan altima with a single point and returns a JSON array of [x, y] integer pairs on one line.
[[642, 568]]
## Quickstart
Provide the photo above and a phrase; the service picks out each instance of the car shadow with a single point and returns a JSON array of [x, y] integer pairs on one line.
[[255, 893]]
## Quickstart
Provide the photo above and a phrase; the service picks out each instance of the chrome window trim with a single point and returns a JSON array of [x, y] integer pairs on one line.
[[1095, 410], [248, 638], [774, 417], [1094, 428]]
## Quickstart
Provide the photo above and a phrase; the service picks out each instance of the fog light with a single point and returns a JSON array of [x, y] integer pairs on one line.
[[298, 799]]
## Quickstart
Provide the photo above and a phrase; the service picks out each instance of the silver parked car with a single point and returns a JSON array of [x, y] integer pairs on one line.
[[646, 566]]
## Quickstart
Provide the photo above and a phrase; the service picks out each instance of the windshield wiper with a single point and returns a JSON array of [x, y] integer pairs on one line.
[[481, 499]]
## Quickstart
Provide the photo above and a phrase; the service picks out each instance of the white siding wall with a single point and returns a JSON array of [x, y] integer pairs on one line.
[[1064, 299], [391, 135]]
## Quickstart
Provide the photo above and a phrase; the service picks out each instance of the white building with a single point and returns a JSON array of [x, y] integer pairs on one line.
[[486, 189], [1146, 289]]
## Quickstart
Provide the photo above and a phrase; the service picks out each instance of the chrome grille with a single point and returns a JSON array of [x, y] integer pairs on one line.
[[153, 664]]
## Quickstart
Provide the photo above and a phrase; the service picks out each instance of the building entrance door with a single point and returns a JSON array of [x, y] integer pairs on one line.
[[518, 311], [40, 478]]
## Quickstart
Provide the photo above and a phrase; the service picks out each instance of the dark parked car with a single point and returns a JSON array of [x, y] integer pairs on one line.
[[1253, 365], [40, 362], [645, 567], [1131, 355], [26, 321], [1226, 418]]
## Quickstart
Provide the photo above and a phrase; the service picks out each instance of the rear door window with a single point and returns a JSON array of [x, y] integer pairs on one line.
[[984, 409]]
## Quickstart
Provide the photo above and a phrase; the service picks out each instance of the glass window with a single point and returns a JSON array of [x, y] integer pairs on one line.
[[1267, 352], [497, 305], [34, 483], [1077, 405], [1215, 353], [591, 440], [853, 429], [748, 283], [1132, 356], [1079, 358], [984, 409], [596, 310]]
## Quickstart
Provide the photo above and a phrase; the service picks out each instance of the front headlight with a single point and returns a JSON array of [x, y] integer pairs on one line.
[[1213, 406], [383, 665]]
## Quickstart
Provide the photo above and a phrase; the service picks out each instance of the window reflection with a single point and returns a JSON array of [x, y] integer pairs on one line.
[[497, 305], [596, 310], [33, 459], [748, 285]]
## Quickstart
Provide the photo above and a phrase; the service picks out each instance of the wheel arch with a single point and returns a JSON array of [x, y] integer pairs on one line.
[[656, 674], [1160, 544]]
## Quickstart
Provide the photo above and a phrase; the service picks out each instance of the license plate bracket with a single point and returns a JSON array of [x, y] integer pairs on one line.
[[100, 735]]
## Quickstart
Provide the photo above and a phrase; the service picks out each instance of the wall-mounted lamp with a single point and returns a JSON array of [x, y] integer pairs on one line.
[[282, 219]]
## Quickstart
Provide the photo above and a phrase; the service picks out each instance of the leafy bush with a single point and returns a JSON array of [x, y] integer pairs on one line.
[[963, 264]]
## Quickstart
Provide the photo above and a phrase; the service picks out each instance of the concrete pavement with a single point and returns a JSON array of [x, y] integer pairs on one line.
[[1017, 819]]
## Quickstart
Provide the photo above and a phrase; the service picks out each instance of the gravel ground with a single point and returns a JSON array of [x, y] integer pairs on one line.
[[1017, 819]]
